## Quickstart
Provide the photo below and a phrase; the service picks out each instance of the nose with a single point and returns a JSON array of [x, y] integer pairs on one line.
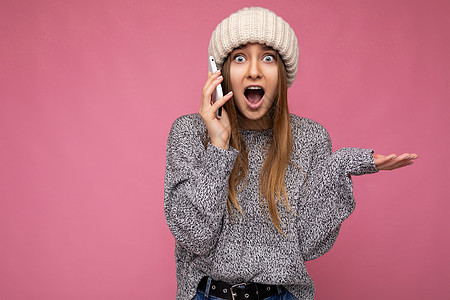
[[254, 70]]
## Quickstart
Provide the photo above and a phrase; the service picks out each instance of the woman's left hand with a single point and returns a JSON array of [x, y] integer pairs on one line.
[[392, 161]]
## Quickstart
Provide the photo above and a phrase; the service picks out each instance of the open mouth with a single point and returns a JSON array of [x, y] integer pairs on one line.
[[254, 95]]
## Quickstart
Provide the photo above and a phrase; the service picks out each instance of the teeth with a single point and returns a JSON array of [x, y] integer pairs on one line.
[[254, 88]]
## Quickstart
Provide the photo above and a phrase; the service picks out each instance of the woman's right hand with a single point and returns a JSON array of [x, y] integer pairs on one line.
[[219, 130]]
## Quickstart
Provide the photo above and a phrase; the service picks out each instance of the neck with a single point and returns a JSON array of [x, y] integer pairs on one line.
[[264, 123]]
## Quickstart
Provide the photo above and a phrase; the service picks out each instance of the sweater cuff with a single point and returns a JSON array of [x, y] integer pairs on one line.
[[356, 161], [211, 187], [221, 159]]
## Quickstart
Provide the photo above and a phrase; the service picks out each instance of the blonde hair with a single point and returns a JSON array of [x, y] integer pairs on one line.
[[272, 185]]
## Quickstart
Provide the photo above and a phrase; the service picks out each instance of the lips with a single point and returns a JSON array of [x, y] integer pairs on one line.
[[254, 95]]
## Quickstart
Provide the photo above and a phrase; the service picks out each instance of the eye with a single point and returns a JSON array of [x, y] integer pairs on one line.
[[269, 58], [239, 59]]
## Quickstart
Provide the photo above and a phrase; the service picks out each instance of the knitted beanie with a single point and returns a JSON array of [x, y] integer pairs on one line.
[[255, 25]]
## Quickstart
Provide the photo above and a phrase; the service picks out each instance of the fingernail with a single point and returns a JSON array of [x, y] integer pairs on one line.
[[415, 157], [230, 92], [408, 157], [394, 157], [217, 71], [219, 78]]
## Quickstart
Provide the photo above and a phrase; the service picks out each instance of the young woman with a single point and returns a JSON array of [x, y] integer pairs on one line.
[[251, 196]]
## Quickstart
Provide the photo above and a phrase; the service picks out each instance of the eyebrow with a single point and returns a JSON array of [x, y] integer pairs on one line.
[[264, 47], [267, 48]]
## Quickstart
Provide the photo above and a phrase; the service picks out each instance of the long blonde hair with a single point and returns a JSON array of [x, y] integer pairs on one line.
[[272, 185]]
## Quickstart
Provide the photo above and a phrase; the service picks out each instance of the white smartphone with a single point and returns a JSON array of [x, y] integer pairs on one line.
[[217, 93]]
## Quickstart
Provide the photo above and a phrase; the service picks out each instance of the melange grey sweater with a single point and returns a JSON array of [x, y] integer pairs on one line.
[[249, 249]]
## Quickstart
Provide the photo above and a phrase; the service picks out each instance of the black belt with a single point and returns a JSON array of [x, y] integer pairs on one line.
[[245, 291]]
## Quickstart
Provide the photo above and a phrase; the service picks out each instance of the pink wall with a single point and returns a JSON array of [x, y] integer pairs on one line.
[[89, 89]]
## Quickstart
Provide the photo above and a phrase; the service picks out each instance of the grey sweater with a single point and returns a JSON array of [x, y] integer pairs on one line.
[[209, 242]]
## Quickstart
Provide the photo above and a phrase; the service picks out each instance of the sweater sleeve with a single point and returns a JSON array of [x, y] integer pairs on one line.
[[329, 193], [195, 187]]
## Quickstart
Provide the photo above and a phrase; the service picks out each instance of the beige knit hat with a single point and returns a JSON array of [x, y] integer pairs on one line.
[[255, 25]]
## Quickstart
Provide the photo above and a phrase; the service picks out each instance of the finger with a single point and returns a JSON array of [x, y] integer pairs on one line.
[[401, 165], [389, 157], [214, 107], [404, 156], [222, 101], [211, 78], [396, 161], [392, 156], [388, 162], [213, 81], [410, 156]]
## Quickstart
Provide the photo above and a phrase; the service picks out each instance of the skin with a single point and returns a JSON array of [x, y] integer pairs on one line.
[[392, 161], [252, 65], [219, 130]]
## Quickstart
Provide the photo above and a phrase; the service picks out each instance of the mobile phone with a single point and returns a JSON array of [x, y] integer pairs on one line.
[[217, 93]]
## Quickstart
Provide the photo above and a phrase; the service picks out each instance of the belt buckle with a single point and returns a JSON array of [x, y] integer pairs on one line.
[[233, 294]]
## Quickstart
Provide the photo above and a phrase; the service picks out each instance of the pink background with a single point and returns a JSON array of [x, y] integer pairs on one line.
[[89, 90]]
